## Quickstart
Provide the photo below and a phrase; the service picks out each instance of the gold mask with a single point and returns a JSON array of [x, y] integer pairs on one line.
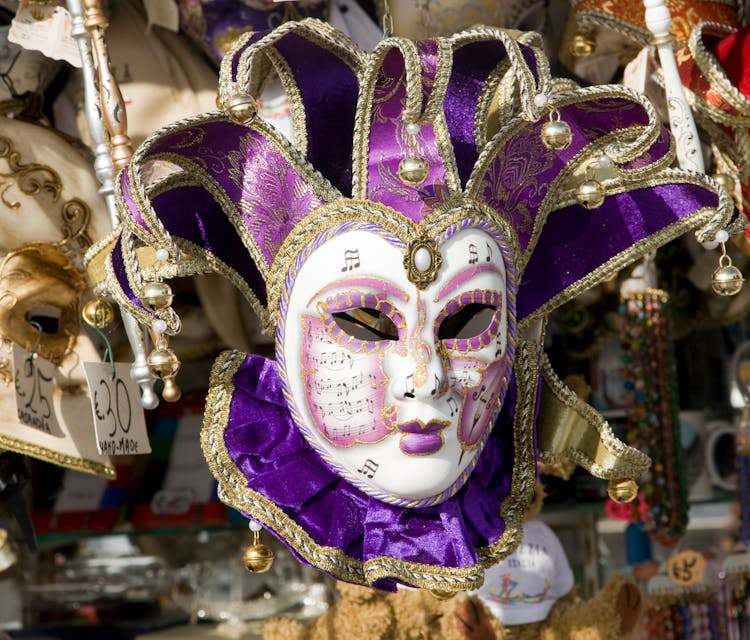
[[39, 283]]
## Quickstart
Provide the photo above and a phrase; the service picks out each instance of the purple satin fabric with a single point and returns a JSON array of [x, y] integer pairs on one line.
[[622, 221], [118, 266], [329, 90], [215, 20], [517, 180], [388, 145], [472, 64], [192, 214], [279, 464]]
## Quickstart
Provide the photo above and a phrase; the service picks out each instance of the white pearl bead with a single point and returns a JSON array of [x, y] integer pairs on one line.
[[605, 161], [710, 245], [412, 128], [422, 259], [162, 254], [159, 326], [540, 100], [722, 236], [254, 526]]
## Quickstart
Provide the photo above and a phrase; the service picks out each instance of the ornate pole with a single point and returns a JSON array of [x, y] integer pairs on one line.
[[689, 155], [105, 107]]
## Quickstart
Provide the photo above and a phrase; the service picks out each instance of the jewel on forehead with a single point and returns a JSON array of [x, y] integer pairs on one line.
[[422, 261]]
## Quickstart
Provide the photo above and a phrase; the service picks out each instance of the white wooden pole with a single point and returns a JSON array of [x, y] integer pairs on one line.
[[689, 155]]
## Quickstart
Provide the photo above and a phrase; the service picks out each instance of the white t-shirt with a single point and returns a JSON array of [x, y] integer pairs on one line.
[[523, 587]]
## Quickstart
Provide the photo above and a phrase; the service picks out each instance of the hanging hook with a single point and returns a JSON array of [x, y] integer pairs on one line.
[[387, 19], [35, 348], [100, 321]]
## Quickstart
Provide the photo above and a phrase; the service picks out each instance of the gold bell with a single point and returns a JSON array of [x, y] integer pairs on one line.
[[727, 279], [171, 391], [556, 134], [98, 313], [582, 45], [622, 490], [163, 363], [413, 171], [241, 109], [156, 296], [590, 193], [257, 557]]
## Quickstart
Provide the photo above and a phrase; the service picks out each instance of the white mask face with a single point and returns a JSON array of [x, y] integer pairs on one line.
[[398, 387]]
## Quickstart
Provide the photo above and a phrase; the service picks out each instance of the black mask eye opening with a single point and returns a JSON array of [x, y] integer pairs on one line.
[[467, 322], [365, 323]]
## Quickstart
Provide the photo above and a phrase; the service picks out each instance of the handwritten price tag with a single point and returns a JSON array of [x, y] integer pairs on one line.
[[35, 390], [119, 421], [686, 567], [174, 502]]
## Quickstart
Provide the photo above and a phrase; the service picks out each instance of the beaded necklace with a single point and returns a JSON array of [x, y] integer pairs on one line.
[[652, 407]]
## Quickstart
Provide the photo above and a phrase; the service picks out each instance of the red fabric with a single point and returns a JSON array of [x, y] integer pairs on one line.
[[733, 54]]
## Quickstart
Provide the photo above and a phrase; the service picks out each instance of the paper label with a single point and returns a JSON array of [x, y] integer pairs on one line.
[[162, 13], [80, 492], [45, 28], [187, 470], [636, 72], [686, 567], [174, 502], [119, 421], [35, 391]]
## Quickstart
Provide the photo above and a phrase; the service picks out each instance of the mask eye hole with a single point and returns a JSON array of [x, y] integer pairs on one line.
[[469, 321], [364, 323], [46, 316]]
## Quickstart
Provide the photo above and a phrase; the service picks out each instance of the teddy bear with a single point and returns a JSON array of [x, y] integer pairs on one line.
[[417, 614], [555, 613]]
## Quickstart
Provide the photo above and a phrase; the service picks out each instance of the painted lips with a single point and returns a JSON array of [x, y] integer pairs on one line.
[[421, 439]]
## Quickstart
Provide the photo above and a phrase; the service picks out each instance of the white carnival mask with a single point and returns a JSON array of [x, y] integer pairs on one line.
[[398, 387]]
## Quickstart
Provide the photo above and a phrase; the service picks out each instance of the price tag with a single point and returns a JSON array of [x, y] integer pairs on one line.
[[637, 71], [162, 13], [45, 28], [686, 567], [119, 420], [80, 492], [173, 502], [35, 391]]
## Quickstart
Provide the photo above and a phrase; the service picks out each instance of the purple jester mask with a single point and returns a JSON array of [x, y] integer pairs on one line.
[[405, 249]]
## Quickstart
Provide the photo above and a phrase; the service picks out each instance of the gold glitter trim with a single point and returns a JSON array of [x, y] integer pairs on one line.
[[713, 71], [52, 456], [435, 113], [513, 509], [570, 429], [296, 104]]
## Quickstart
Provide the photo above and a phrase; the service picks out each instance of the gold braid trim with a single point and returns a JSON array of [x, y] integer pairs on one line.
[[712, 70], [296, 104], [52, 456], [570, 429]]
